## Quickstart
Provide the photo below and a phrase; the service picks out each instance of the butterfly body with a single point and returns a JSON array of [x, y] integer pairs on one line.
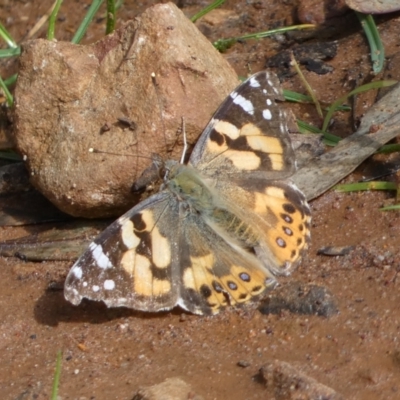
[[187, 186], [221, 227]]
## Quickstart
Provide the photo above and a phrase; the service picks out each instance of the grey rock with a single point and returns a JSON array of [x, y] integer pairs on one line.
[[300, 298]]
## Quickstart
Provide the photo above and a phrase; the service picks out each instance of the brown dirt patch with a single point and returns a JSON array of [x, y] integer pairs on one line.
[[110, 353]]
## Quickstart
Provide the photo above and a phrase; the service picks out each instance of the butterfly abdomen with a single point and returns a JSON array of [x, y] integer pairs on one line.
[[235, 227]]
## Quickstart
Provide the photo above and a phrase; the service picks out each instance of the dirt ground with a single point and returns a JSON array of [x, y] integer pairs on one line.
[[110, 353]]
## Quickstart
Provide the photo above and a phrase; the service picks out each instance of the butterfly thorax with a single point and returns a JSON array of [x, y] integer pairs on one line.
[[186, 184], [197, 196]]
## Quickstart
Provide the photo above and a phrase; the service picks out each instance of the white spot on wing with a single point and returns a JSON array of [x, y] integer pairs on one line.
[[269, 102], [254, 82], [95, 288], [77, 271], [109, 284], [267, 114], [242, 102], [99, 256], [233, 95]]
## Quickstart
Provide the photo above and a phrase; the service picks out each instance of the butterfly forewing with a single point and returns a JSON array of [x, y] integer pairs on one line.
[[133, 262], [248, 135]]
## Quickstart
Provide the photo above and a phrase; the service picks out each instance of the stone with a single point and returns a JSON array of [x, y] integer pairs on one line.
[[300, 298], [170, 389], [70, 98], [286, 382]]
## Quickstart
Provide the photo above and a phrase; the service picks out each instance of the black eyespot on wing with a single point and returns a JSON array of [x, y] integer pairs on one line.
[[205, 291], [217, 287], [244, 277], [287, 231], [287, 218], [256, 289], [280, 242], [289, 208]]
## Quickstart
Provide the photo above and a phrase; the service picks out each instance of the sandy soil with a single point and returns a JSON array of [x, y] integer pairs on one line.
[[109, 354]]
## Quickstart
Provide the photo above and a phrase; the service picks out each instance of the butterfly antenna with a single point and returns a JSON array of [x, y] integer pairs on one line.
[[153, 79], [98, 151], [184, 141]]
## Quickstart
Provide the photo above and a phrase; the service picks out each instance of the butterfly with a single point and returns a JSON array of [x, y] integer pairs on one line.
[[221, 228]]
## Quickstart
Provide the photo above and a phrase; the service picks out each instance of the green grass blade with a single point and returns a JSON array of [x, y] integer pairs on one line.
[[296, 97], [390, 208], [334, 106], [374, 41], [11, 80], [56, 379], [5, 53], [7, 37], [9, 97], [223, 44], [304, 127], [374, 185], [10, 155], [110, 26], [207, 9], [260, 35], [52, 20], [94, 7], [389, 148], [329, 138]]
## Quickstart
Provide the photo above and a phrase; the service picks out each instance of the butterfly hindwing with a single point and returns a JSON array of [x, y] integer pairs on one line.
[[277, 213], [216, 273]]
